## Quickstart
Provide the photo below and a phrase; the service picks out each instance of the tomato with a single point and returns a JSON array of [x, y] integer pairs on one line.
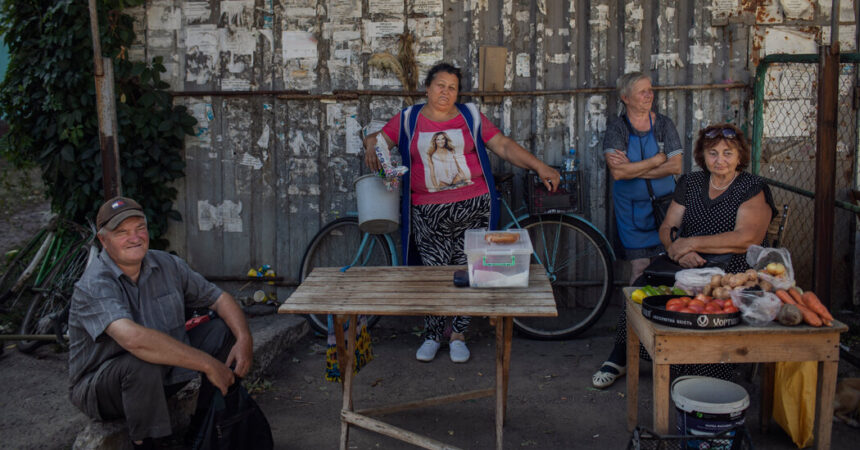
[[674, 307], [687, 310], [696, 303], [728, 303], [673, 302], [704, 298], [712, 308], [729, 310], [698, 309], [686, 300], [719, 302]]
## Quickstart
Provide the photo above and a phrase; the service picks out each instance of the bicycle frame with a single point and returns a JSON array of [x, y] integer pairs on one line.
[[516, 219], [392, 250]]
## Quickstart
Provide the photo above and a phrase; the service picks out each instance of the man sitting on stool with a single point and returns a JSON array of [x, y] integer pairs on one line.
[[129, 350]]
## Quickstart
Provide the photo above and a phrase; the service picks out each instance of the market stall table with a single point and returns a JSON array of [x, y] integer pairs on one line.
[[739, 344], [416, 290]]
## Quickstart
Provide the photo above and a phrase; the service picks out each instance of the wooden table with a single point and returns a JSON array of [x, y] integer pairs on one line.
[[416, 291], [738, 344]]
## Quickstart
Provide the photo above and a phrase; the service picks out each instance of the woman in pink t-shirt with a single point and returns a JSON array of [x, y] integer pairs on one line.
[[448, 185]]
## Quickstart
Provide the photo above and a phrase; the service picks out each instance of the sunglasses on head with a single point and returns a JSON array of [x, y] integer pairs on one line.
[[726, 132]]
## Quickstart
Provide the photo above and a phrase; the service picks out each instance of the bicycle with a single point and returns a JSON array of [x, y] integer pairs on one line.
[[43, 275], [577, 256]]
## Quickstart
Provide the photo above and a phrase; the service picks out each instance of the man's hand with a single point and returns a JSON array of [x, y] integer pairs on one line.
[[220, 376], [242, 354], [617, 157]]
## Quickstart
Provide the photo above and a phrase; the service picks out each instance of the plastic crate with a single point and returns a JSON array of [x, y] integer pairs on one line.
[[645, 439], [566, 199]]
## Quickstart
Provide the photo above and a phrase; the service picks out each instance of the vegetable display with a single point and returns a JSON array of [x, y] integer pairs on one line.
[[812, 311]]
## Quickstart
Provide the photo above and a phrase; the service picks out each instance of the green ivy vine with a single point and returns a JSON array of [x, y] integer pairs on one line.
[[48, 99]]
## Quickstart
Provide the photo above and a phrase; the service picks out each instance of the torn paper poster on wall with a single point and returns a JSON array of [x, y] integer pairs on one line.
[[556, 113], [298, 45], [343, 129], [846, 37], [785, 40], [846, 9], [196, 12], [201, 54], [428, 46], [201, 109], [666, 61], [701, 54], [226, 215], [599, 20], [263, 141], [595, 117], [162, 16], [237, 14], [429, 7], [343, 9], [251, 161], [385, 6], [798, 9], [724, 8], [381, 36], [523, 64]]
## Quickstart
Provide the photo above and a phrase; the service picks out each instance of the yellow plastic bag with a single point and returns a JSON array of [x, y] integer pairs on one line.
[[794, 388]]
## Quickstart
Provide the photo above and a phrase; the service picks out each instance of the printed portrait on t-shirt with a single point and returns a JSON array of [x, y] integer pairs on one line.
[[444, 162]]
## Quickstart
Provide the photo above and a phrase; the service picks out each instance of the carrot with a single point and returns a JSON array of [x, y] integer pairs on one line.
[[783, 295], [813, 303], [795, 294], [809, 317]]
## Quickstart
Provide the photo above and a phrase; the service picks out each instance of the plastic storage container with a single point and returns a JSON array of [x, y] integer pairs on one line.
[[498, 264]]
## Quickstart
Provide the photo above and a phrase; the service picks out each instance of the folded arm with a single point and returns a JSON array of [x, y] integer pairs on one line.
[[657, 166]]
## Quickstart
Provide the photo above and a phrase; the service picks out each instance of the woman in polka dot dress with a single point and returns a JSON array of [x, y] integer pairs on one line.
[[718, 210]]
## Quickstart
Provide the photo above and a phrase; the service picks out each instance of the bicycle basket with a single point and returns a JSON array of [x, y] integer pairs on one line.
[[737, 438], [566, 199]]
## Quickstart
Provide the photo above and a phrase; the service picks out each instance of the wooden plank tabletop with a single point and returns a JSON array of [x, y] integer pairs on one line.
[[415, 290], [743, 328]]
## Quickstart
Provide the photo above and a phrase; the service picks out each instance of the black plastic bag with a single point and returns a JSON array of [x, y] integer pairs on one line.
[[234, 422]]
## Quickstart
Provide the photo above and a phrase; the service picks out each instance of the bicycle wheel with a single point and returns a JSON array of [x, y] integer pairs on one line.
[[579, 266], [338, 245], [48, 313], [12, 272]]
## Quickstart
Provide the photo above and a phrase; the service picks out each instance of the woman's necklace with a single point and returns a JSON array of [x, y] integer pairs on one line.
[[711, 182]]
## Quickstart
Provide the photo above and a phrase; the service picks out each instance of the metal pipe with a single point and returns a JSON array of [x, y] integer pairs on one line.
[[355, 94], [28, 337], [834, 22], [97, 46], [274, 281]]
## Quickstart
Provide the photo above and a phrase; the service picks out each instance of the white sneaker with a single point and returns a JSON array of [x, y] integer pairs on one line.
[[427, 351], [459, 351]]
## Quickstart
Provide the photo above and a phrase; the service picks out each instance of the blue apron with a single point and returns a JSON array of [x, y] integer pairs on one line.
[[633, 213]]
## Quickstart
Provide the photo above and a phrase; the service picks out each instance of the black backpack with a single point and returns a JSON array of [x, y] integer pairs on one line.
[[234, 422]]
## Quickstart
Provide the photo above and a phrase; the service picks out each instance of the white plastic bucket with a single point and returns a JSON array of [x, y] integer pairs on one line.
[[707, 406], [378, 208]]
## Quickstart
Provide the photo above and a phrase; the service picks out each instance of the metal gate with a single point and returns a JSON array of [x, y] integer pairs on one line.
[[784, 153]]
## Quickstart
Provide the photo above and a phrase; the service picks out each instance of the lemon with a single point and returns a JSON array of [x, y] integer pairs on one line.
[[638, 295]]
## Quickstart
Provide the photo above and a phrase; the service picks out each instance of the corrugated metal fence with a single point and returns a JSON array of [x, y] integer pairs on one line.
[[277, 150]]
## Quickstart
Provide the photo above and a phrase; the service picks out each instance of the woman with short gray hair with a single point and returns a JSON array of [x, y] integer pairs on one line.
[[643, 153]]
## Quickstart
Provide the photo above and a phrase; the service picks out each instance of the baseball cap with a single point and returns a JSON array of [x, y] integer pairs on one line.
[[117, 209]]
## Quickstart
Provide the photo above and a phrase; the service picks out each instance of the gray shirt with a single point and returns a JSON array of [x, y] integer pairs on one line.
[[165, 288], [618, 132]]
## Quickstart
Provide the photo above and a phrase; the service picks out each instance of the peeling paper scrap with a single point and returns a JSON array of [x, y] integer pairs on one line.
[[196, 12], [263, 142], [251, 161], [701, 54], [429, 7], [298, 44], [226, 215], [523, 65], [385, 6], [162, 16], [666, 60]]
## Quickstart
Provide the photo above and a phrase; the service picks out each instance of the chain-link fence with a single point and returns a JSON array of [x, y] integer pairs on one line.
[[784, 152]]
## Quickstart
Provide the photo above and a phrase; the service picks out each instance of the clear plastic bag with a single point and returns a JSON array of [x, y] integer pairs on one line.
[[695, 280], [758, 308], [759, 257]]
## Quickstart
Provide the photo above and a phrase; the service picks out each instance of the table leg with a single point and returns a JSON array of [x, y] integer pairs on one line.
[[826, 391], [346, 374], [509, 332], [500, 381], [766, 410], [661, 398], [632, 377], [340, 342]]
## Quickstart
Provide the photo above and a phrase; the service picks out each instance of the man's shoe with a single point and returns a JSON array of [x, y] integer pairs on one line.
[[459, 351], [427, 351]]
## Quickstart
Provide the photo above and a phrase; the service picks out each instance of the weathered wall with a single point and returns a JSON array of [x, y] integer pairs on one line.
[[265, 172]]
